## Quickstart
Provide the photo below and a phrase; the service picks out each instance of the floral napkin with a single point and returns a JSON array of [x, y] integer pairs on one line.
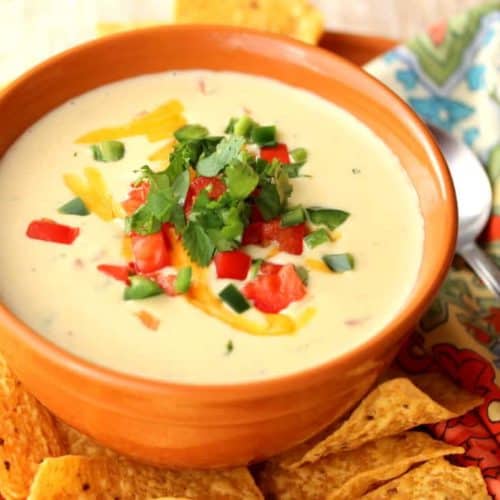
[[451, 77]]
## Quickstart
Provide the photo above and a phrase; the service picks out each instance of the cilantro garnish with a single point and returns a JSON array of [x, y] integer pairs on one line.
[[198, 244], [241, 180], [225, 152], [210, 224]]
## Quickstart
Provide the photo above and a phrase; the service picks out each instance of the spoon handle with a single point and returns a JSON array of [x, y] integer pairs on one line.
[[482, 265]]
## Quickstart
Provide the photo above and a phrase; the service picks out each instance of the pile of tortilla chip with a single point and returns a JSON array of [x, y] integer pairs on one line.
[[296, 18], [374, 453]]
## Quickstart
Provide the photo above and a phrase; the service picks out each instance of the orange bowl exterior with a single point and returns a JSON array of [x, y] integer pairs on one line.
[[210, 426]]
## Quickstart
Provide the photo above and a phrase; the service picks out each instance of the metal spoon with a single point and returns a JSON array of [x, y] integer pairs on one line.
[[474, 199]]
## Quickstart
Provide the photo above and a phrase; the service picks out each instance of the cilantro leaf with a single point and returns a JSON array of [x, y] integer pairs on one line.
[[160, 204], [177, 218], [180, 186], [197, 243], [157, 180], [142, 221], [188, 153], [227, 150], [241, 179], [268, 201]]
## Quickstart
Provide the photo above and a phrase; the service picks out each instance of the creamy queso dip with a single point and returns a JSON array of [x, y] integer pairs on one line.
[[57, 290]]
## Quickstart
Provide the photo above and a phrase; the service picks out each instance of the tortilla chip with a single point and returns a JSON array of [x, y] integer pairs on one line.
[[348, 475], [296, 18], [77, 443], [27, 435], [444, 391], [391, 408], [75, 476], [435, 480]]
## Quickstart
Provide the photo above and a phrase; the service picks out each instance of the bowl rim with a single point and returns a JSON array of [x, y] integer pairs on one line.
[[68, 361]]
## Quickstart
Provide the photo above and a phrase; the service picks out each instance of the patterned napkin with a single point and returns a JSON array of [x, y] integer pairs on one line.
[[451, 77]]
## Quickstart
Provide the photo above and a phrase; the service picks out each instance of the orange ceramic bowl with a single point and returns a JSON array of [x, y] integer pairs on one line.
[[224, 425]]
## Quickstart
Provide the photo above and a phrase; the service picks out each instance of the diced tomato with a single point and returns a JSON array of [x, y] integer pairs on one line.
[[137, 196], [49, 230], [151, 252], [270, 268], [289, 239], [255, 215], [218, 188], [232, 265], [271, 293], [120, 273], [252, 235], [280, 152], [167, 282]]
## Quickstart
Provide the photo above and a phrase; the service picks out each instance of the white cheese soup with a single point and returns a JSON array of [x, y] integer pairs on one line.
[[205, 227]]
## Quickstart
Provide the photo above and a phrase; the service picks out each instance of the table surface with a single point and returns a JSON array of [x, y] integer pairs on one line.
[[32, 30]]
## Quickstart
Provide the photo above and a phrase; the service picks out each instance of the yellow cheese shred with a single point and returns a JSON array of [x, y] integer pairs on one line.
[[317, 265], [201, 296], [163, 153], [92, 189], [156, 125]]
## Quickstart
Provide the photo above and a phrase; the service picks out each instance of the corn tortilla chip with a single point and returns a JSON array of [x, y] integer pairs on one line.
[[350, 474], [435, 480], [296, 18], [77, 443], [442, 390], [74, 476], [391, 408], [27, 435]]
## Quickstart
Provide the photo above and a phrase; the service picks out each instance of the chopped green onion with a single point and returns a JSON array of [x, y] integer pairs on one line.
[[255, 267], [230, 126], [108, 151], [141, 288], [244, 126], [183, 280], [293, 217], [317, 237], [264, 136], [234, 299], [329, 217], [229, 347], [74, 207], [299, 155], [190, 132], [339, 262], [303, 274]]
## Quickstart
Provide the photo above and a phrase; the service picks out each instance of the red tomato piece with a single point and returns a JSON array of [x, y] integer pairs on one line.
[[167, 282], [289, 239], [271, 293], [151, 252], [137, 196], [278, 152], [252, 235], [270, 268], [255, 215], [218, 188], [233, 265], [120, 273], [49, 230]]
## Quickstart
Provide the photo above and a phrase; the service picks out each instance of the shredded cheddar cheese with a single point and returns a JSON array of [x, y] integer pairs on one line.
[[156, 125], [163, 153], [317, 265], [92, 189]]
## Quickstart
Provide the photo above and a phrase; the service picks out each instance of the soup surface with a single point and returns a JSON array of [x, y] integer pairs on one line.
[[196, 337]]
